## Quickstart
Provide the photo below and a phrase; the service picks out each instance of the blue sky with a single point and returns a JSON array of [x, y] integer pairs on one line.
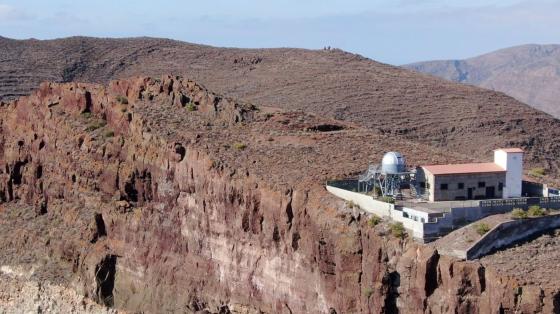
[[391, 31]]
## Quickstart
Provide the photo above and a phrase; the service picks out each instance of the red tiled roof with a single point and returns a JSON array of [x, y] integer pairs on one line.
[[511, 150], [464, 168]]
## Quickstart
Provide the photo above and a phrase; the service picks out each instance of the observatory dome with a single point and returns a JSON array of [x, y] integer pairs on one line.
[[393, 163]]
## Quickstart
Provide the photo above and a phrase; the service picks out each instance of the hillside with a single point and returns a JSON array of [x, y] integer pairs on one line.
[[530, 73], [332, 83], [156, 195]]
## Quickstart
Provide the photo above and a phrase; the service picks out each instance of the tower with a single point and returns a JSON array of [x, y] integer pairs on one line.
[[511, 159]]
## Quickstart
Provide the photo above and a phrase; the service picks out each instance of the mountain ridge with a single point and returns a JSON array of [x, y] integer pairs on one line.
[[328, 82], [529, 73]]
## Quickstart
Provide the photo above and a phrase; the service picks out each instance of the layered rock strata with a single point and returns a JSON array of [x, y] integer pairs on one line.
[[158, 195]]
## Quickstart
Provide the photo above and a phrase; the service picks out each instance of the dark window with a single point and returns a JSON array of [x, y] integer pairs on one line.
[[443, 186], [500, 186], [460, 186], [481, 184]]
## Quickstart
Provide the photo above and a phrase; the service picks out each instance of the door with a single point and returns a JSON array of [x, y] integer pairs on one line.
[[469, 193], [490, 192]]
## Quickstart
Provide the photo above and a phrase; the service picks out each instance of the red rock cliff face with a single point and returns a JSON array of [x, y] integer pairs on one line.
[[134, 195]]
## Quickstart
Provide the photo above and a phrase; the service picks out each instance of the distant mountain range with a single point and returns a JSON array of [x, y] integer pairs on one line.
[[530, 73]]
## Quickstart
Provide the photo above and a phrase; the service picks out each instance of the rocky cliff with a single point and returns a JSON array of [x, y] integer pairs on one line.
[[158, 195], [19, 294]]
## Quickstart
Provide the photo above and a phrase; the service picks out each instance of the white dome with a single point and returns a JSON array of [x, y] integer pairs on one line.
[[393, 162]]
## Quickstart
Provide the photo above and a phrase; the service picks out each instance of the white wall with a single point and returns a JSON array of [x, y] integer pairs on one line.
[[416, 214], [513, 163], [366, 202], [416, 227], [431, 182], [381, 209]]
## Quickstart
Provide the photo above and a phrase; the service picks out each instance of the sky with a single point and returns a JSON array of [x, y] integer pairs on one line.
[[390, 31]]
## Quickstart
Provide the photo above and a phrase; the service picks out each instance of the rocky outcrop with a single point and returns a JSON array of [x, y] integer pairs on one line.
[[157, 195], [18, 294]]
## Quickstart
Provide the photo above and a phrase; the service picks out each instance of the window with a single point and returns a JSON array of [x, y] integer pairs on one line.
[[481, 184], [500, 186], [443, 186], [460, 186]]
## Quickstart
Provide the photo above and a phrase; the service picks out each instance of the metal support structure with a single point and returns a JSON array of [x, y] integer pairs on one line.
[[388, 183]]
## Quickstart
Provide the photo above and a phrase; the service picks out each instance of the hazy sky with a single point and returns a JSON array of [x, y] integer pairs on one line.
[[392, 31]]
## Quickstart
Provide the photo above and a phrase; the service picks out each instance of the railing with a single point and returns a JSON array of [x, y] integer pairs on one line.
[[522, 202], [504, 202], [349, 184]]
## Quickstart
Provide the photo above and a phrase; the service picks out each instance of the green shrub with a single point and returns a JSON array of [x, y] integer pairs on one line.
[[536, 211], [191, 106], [239, 146], [537, 172], [482, 228], [86, 115], [518, 213], [397, 229], [368, 292], [373, 221], [96, 125], [122, 99], [109, 134], [388, 199]]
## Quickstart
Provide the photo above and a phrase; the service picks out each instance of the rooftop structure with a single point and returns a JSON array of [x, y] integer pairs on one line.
[[464, 168], [512, 160], [393, 163]]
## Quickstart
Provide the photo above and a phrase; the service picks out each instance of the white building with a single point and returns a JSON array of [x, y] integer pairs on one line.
[[500, 179], [511, 159]]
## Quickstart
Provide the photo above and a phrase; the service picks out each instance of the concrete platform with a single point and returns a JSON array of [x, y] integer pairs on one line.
[[436, 207]]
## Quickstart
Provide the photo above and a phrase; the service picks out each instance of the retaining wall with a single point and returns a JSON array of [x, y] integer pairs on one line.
[[510, 232]]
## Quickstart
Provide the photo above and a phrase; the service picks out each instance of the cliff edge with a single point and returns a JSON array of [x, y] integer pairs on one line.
[[158, 195]]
